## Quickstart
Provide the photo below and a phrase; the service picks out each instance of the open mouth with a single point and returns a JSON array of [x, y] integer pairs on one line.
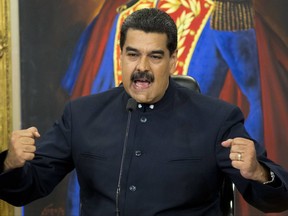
[[142, 83], [142, 80]]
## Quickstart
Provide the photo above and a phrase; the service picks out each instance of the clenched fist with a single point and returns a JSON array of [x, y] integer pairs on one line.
[[243, 157], [21, 148]]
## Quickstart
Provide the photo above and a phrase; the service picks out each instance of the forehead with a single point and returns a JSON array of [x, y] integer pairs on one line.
[[141, 40]]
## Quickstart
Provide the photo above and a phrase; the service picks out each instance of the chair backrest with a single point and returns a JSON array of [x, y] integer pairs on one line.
[[227, 190], [187, 81]]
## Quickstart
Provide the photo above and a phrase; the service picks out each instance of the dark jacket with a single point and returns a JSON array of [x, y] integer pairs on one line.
[[174, 164]]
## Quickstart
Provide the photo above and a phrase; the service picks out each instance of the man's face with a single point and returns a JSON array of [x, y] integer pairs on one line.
[[146, 65]]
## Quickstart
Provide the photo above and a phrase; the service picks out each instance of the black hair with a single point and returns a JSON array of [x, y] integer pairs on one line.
[[151, 20]]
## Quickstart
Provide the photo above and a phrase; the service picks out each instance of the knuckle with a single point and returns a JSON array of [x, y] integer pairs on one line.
[[15, 133], [237, 139], [14, 138], [231, 156], [30, 156], [33, 148]]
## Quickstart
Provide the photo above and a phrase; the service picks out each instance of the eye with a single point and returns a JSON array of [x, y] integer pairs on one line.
[[132, 54], [156, 57]]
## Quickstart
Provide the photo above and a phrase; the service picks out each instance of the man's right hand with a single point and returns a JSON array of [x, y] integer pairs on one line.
[[21, 148]]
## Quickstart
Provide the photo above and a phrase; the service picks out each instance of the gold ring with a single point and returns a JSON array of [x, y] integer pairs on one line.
[[239, 157]]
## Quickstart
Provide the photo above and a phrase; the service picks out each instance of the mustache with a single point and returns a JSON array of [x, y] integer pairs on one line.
[[142, 75]]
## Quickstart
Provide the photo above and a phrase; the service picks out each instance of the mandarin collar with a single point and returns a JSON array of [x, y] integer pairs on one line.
[[166, 100]]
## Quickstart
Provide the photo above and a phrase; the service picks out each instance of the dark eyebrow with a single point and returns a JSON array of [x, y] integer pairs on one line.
[[161, 52], [131, 49], [128, 48]]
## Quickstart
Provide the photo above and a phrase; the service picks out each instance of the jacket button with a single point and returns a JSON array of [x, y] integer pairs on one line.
[[132, 188], [143, 119], [138, 153]]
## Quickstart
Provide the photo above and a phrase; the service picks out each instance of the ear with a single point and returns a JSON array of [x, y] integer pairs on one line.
[[173, 62], [120, 59]]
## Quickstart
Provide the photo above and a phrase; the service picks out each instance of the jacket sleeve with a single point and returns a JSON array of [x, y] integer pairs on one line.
[[267, 198], [39, 177]]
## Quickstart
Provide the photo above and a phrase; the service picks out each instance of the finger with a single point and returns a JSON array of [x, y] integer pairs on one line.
[[227, 143], [26, 141], [242, 141], [237, 164], [28, 157], [22, 133], [29, 148], [236, 157], [242, 145], [34, 131], [30, 133], [238, 148]]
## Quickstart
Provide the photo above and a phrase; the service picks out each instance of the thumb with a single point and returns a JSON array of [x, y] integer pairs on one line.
[[227, 143], [35, 132]]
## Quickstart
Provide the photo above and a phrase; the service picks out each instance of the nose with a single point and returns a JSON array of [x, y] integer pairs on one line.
[[143, 64]]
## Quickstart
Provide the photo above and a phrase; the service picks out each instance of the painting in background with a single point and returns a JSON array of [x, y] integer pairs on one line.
[[67, 47]]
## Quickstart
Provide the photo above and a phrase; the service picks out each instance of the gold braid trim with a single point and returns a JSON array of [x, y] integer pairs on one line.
[[232, 16], [5, 88]]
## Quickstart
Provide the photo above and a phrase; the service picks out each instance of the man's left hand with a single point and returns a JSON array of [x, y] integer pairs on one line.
[[243, 157]]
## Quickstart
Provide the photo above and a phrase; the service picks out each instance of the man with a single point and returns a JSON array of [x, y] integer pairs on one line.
[[226, 42], [149, 147]]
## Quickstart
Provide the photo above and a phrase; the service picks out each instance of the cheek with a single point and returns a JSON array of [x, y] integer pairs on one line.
[[163, 71], [127, 66], [125, 78], [162, 79], [126, 70]]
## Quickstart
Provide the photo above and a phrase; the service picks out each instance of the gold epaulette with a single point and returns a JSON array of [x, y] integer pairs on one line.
[[229, 15], [128, 4]]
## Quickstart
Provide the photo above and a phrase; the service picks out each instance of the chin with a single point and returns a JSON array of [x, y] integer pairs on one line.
[[141, 99]]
